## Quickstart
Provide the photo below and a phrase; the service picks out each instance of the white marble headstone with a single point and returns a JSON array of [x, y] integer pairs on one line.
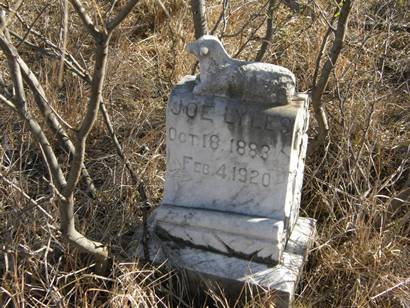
[[233, 169], [236, 143]]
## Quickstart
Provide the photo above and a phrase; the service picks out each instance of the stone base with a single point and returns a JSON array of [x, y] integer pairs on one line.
[[246, 237], [217, 271]]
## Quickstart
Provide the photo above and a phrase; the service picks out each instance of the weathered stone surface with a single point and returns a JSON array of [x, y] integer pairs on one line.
[[232, 156], [248, 237], [253, 82], [226, 156]]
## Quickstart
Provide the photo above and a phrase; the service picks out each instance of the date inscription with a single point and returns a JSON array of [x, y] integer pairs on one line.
[[226, 172], [213, 142]]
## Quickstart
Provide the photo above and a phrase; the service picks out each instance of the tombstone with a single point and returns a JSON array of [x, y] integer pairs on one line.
[[236, 142]]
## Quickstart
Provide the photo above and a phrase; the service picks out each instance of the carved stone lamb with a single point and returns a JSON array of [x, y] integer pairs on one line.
[[224, 76]]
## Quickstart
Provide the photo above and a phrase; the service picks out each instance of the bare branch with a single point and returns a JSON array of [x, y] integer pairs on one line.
[[323, 15], [325, 39], [24, 194], [71, 63], [14, 71], [66, 189], [221, 17], [400, 284], [86, 19], [67, 199], [199, 17], [252, 17], [337, 46], [135, 178], [73, 236], [64, 43], [12, 56], [8, 103], [3, 20], [114, 22], [117, 144], [91, 114], [320, 54], [33, 23], [40, 137], [250, 37], [13, 11], [319, 88], [269, 31], [52, 119]]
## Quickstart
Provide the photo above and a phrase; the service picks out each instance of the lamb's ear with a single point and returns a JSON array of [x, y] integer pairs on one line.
[[203, 51]]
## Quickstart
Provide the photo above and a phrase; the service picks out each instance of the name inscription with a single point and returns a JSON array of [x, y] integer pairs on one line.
[[233, 116]]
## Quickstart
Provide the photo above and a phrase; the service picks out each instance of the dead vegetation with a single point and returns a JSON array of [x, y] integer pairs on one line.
[[355, 185]]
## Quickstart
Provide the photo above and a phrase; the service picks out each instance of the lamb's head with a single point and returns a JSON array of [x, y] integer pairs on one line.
[[208, 46]]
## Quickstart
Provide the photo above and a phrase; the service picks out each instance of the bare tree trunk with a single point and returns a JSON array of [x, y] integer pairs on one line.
[[319, 88], [52, 120], [66, 193], [269, 32], [199, 17], [70, 233], [20, 106], [64, 185]]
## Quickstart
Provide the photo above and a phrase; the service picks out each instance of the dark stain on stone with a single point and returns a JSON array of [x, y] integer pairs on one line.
[[164, 235]]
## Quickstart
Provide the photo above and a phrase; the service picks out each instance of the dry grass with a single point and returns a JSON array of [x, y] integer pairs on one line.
[[363, 245]]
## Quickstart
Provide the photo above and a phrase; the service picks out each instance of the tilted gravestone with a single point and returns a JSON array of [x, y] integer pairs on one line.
[[236, 142]]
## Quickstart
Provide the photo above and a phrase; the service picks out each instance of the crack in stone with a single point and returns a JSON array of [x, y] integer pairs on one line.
[[165, 235]]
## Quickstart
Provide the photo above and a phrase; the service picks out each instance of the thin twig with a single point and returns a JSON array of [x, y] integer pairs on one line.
[[71, 63], [13, 10], [64, 43], [90, 117], [400, 284], [114, 22], [251, 18], [221, 17], [5, 101], [117, 144], [32, 24], [86, 19], [251, 37], [24, 194], [35, 128], [320, 55], [82, 73]]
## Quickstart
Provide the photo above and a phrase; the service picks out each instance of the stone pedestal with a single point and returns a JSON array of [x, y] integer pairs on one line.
[[230, 212], [215, 271]]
